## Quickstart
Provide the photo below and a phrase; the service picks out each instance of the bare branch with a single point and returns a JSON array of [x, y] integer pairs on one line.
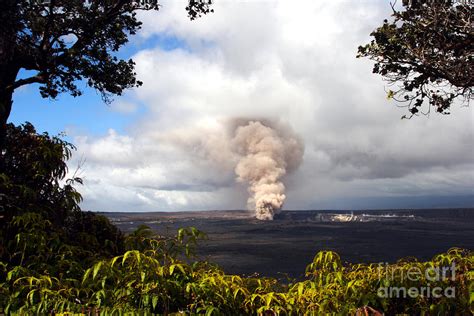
[[39, 78]]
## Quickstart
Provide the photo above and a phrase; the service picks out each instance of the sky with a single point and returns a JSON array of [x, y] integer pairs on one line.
[[154, 148]]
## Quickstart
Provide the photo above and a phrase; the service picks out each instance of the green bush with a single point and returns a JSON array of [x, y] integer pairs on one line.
[[42, 225], [148, 282]]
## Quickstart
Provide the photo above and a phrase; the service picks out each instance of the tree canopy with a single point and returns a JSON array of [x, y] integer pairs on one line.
[[426, 54], [60, 42]]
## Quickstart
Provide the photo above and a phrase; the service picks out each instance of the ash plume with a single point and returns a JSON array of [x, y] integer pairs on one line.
[[267, 151]]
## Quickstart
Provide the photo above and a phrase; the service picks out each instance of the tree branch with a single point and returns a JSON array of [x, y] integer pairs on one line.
[[39, 78]]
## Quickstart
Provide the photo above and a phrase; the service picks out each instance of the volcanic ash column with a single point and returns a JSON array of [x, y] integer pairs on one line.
[[267, 152]]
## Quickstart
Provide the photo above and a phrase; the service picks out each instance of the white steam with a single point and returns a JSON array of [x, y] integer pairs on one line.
[[260, 152], [267, 151]]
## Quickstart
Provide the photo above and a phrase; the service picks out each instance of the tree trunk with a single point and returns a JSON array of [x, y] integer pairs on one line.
[[5, 109], [7, 79], [10, 25]]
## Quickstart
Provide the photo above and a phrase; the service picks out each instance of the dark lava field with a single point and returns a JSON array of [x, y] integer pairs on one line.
[[283, 247]]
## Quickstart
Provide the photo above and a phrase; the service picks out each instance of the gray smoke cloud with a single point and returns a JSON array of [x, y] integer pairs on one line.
[[267, 151]]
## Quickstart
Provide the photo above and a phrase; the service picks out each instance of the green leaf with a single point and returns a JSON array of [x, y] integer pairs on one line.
[[300, 288], [210, 310], [134, 253], [112, 263], [177, 265], [154, 301], [96, 269], [86, 275]]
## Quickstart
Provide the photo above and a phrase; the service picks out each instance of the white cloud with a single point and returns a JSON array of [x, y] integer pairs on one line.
[[122, 106], [290, 61]]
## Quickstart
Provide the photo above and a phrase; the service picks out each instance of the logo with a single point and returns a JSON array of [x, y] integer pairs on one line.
[[395, 281]]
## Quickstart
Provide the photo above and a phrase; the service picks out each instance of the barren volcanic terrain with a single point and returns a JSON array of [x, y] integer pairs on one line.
[[243, 245]]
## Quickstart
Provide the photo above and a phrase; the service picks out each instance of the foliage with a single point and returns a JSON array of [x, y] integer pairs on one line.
[[42, 225], [426, 53], [197, 8], [141, 282], [35, 165]]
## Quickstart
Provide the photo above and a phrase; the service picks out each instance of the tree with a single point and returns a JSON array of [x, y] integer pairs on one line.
[[64, 41], [34, 190], [426, 53]]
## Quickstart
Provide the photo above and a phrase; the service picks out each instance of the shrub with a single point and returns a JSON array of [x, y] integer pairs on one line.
[[42, 225]]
